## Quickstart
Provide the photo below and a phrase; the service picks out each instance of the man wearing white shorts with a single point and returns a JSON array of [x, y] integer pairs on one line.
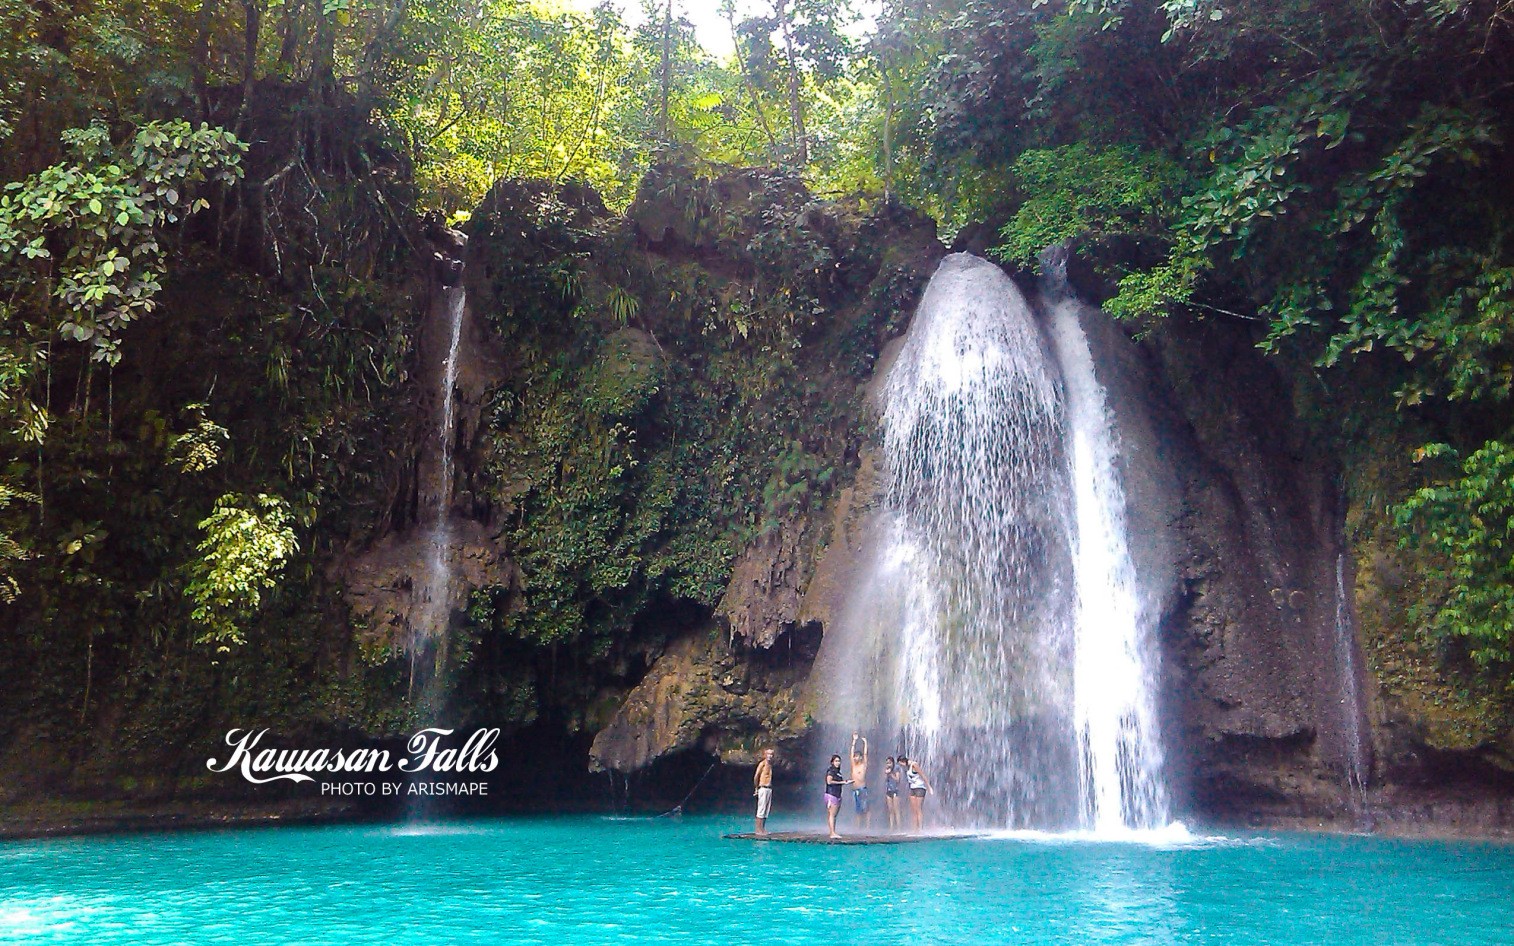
[[762, 783]]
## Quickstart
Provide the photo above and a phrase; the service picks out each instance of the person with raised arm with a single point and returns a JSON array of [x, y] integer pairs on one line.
[[859, 782]]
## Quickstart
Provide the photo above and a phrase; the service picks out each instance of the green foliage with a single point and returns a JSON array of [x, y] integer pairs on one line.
[[11, 551], [246, 544], [92, 228], [1151, 293], [1073, 191], [1467, 523], [18, 362], [1372, 311], [1469, 335], [787, 492], [199, 448], [516, 91]]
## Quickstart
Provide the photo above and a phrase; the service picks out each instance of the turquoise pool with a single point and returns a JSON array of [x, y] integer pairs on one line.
[[587, 880]]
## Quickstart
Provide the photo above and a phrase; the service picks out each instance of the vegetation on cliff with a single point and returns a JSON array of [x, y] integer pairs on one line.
[[681, 382]]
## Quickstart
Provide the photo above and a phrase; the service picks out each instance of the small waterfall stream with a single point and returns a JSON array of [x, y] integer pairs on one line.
[[1000, 633], [1358, 765], [428, 631]]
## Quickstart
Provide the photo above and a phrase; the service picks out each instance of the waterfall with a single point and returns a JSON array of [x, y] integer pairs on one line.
[[999, 633], [1119, 754], [1357, 765], [429, 624]]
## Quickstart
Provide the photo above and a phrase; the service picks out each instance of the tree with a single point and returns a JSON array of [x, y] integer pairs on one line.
[[88, 233], [246, 544], [812, 51]]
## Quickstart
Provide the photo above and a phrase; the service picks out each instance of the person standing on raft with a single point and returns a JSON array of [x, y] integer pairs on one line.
[[891, 776], [919, 787], [833, 783], [859, 782], [762, 787]]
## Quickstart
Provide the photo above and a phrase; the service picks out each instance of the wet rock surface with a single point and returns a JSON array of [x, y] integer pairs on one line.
[[707, 694]]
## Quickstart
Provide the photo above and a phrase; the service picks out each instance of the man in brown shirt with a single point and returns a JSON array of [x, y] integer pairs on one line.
[[762, 784]]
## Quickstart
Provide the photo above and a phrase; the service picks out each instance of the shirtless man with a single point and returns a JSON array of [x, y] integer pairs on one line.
[[859, 781], [762, 787]]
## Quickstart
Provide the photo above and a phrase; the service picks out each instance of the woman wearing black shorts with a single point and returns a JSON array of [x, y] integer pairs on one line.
[[891, 775], [919, 787]]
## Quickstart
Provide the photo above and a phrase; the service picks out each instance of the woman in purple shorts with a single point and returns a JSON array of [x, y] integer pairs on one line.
[[833, 783]]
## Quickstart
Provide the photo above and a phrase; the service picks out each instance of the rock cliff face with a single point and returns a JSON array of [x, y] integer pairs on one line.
[[705, 693], [1234, 512], [740, 682], [667, 475], [1238, 519]]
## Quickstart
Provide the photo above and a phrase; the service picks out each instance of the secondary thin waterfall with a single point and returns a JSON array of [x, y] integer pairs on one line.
[[1358, 766], [434, 595], [1000, 633]]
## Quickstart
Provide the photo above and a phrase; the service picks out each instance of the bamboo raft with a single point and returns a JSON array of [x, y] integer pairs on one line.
[[819, 837]]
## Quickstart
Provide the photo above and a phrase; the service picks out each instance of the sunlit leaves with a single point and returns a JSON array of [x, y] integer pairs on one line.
[[1150, 293], [517, 91], [102, 218], [199, 448], [11, 551], [247, 542], [1074, 191]]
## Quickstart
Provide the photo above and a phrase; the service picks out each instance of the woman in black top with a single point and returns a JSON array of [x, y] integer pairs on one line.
[[891, 775], [833, 783]]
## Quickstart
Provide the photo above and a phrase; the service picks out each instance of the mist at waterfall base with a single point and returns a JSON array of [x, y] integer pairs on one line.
[[592, 880], [1000, 636]]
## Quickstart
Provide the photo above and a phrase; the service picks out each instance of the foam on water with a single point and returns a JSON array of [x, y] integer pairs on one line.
[[1174, 834], [428, 829]]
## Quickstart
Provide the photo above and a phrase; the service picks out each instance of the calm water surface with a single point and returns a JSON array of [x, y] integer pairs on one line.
[[565, 881]]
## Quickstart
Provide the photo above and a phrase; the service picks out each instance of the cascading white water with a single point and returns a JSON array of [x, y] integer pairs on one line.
[[1358, 768], [1119, 753], [974, 505], [435, 594], [1000, 631]]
